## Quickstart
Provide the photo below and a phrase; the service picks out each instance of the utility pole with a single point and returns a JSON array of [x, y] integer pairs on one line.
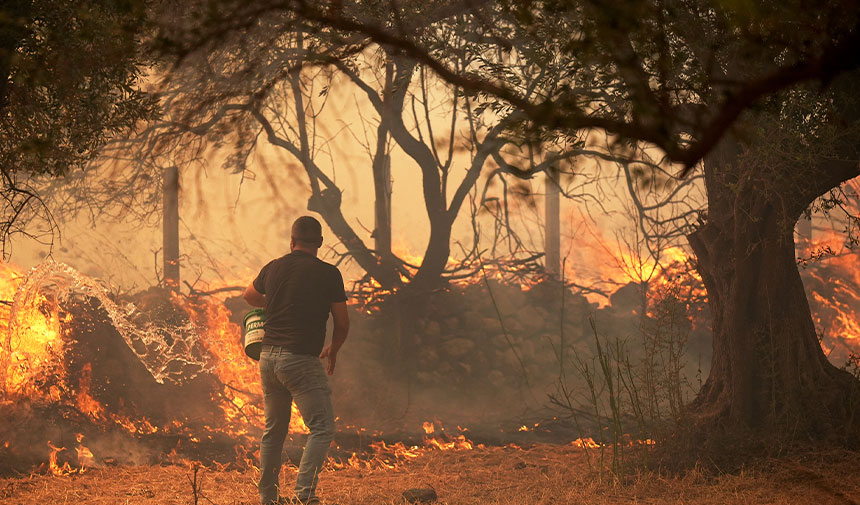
[[382, 206], [170, 227], [552, 245]]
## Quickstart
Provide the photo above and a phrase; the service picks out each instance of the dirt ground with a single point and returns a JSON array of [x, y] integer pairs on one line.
[[543, 474]]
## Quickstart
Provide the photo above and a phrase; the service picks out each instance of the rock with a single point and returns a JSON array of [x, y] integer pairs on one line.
[[443, 371], [509, 358], [527, 349], [531, 316], [465, 368], [458, 347], [424, 377], [581, 350], [572, 330], [420, 495], [428, 356], [491, 324], [433, 329], [502, 341], [452, 324], [496, 378], [515, 327]]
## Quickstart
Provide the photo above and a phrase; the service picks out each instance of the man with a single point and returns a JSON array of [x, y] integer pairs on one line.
[[298, 292]]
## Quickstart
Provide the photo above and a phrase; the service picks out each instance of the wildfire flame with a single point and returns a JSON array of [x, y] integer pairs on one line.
[[34, 348], [34, 344], [243, 394], [387, 456], [833, 286], [85, 459]]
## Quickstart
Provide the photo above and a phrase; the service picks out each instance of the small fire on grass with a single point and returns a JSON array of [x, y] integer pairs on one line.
[[51, 360], [83, 455], [389, 456], [526, 428]]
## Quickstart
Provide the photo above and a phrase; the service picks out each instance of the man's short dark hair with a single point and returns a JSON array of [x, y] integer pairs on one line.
[[308, 230]]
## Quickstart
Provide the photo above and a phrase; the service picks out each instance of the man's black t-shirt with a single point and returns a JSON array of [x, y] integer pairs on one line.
[[299, 289]]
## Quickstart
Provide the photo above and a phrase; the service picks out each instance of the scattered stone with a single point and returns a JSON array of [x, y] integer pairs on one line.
[[458, 347], [433, 329], [491, 324], [452, 323], [496, 378], [420, 495], [428, 356]]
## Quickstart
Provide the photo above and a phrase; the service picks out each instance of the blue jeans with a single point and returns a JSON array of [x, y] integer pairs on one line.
[[287, 377]]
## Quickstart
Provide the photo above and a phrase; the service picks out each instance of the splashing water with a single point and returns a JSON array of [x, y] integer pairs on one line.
[[169, 352]]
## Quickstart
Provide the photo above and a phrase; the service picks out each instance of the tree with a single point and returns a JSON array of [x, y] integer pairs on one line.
[[681, 61], [70, 77], [629, 45], [768, 369], [282, 104], [698, 80]]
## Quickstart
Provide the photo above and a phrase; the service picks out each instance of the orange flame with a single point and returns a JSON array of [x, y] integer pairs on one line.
[[34, 344], [240, 375], [86, 403]]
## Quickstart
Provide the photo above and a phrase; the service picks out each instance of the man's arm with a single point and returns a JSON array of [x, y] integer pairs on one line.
[[254, 297], [340, 317]]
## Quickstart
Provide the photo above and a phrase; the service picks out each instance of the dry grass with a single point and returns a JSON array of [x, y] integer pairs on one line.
[[543, 474]]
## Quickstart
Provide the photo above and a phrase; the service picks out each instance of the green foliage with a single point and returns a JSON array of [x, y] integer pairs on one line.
[[70, 78]]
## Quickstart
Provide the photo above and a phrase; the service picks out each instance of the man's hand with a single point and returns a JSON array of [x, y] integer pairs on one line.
[[332, 358], [254, 297], [341, 327]]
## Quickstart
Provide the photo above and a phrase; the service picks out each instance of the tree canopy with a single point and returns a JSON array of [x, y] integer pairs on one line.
[[70, 77], [675, 74]]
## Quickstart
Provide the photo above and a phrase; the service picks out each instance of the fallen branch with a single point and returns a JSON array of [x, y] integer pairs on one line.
[[194, 292]]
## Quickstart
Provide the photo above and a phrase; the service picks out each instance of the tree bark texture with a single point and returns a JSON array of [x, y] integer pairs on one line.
[[429, 276], [769, 371]]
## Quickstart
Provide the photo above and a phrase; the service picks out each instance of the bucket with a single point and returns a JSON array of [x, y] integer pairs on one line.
[[253, 323]]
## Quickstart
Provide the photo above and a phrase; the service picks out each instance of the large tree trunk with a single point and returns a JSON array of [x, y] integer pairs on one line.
[[768, 369], [429, 275]]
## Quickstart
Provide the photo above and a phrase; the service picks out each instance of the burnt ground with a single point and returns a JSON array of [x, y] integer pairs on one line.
[[542, 474]]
